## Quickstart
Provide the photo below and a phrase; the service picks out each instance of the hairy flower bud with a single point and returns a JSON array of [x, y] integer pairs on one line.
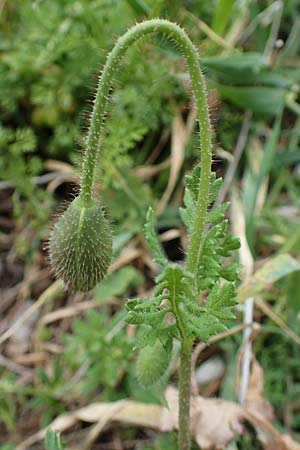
[[152, 364], [81, 245]]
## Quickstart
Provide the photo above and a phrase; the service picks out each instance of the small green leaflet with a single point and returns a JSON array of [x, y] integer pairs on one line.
[[174, 295], [53, 441], [152, 239], [217, 243]]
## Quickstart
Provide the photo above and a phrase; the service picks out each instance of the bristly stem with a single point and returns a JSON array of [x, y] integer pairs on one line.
[[93, 144], [184, 435]]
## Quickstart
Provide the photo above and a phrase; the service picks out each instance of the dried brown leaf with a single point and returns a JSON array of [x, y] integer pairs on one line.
[[214, 422], [124, 411], [255, 401], [290, 443]]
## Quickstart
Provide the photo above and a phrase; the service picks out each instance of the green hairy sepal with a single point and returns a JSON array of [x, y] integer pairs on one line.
[[180, 307], [81, 245]]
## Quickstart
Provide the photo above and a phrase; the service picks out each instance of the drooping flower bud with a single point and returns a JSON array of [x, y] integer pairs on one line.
[[81, 245]]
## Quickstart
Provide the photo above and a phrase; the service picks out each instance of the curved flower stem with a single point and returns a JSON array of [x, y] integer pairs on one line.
[[93, 144]]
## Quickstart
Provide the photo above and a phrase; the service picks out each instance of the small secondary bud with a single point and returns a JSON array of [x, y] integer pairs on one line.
[[152, 364], [81, 245]]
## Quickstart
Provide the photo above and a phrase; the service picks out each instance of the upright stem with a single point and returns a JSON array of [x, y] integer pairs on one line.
[[92, 147], [184, 438]]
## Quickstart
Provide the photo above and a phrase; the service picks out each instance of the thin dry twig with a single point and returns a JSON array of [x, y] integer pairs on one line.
[[100, 425], [77, 308], [178, 142], [158, 148], [243, 364], [247, 261], [55, 290], [42, 179], [268, 13], [203, 345], [12, 366], [266, 309], [237, 153], [213, 36], [127, 255], [147, 171]]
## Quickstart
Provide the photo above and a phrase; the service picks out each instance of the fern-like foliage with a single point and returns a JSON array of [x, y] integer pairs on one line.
[[186, 305], [218, 245], [174, 308]]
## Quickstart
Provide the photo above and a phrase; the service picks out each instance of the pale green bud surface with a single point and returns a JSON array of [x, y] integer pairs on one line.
[[152, 364], [81, 245]]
